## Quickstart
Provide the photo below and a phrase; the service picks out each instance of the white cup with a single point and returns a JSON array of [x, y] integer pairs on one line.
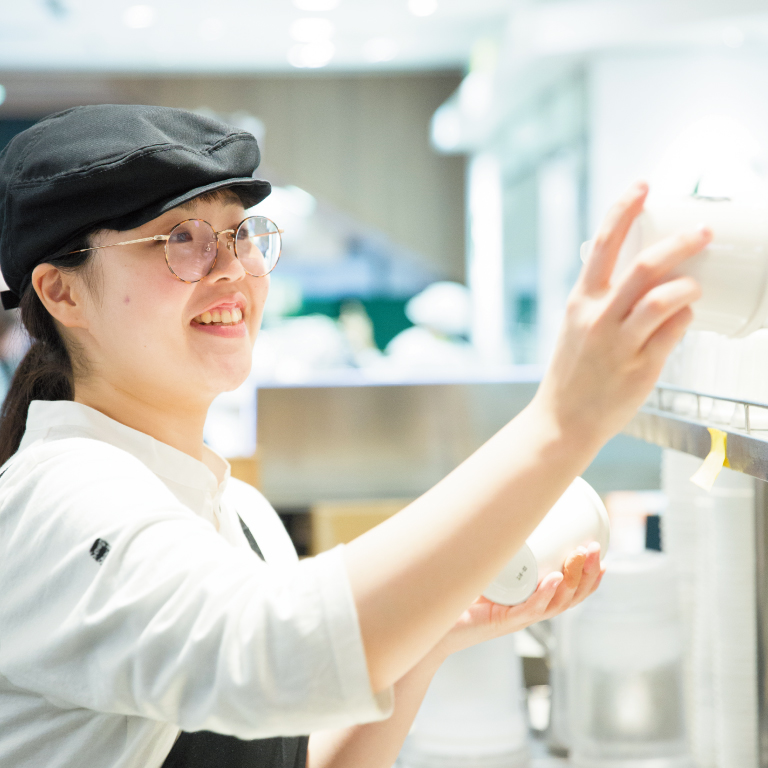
[[732, 269], [578, 518]]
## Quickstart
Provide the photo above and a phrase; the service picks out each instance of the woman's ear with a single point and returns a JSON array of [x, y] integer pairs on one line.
[[61, 294]]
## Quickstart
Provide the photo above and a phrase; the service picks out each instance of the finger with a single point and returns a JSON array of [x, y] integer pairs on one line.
[[538, 603], [652, 266], [590, 574], [596, 274], [572, 571], [664, 340], [657, 306], [574, 567], [514, 617], [599, 578]]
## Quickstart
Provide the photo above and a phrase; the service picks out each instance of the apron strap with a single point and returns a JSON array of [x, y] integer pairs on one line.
[[205, 749], [248, 535]]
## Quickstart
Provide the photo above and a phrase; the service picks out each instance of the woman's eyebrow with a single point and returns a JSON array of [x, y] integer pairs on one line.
[[163, 225]]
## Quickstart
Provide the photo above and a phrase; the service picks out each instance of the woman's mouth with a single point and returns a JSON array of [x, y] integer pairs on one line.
[[227, 323], [220, 317]]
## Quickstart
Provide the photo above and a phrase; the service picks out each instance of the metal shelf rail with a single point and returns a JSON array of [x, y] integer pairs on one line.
[[679, 418]]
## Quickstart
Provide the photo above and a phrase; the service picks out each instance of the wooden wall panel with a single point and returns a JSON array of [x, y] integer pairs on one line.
[[359, 142]]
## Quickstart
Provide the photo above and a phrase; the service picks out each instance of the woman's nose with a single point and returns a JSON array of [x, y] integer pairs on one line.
[[227, 264]]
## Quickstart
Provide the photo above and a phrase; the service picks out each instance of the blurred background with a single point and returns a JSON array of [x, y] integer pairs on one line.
[[436, 166]]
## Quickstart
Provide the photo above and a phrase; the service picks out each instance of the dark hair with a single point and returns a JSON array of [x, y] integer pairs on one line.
[[46, 371]]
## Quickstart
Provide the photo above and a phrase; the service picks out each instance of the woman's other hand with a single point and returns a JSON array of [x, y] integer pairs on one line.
[[557, 592], [618, 333]]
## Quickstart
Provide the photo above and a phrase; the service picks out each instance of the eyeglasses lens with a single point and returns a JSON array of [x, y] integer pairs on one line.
[[192, 249], [258, 244]]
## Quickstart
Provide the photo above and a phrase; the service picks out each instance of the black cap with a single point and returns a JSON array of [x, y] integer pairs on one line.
[[110, 166]]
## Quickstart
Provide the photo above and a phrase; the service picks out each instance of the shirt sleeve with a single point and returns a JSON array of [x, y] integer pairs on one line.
[[119, 599]]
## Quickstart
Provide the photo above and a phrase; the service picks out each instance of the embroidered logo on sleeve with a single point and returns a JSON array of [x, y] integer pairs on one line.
[[99, 550]]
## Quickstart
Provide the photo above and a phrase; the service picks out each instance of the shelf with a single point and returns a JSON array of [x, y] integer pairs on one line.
[[666, 420], [657, 423], [404, 376]]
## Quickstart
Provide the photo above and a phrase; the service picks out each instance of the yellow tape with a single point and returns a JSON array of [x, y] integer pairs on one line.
[[717, 458]]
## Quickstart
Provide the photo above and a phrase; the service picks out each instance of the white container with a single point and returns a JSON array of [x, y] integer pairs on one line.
[[472, 715], [578, 518], [732, 269], [625, 673]]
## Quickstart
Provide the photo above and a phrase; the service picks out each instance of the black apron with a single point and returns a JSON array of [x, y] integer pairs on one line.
[[205, 749]]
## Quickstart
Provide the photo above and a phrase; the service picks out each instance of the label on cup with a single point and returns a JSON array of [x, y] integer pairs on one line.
[[517, 582]]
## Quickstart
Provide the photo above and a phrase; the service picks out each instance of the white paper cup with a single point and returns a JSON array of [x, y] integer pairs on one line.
[[578, 518], [732, 270]]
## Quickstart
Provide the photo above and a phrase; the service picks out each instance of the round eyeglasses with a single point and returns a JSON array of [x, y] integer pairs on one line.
[[192, 247]]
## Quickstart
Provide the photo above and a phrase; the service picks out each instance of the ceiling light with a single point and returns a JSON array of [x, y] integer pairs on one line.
[[311, 30], [211, 29], [311, 55], [139, 16], [380, 49], [316, 6], [446, 128], [2, 94], [422, 7], [733, 37]]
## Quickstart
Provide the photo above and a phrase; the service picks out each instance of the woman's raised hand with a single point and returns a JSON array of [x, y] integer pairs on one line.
[[617, 334], [415, 573]]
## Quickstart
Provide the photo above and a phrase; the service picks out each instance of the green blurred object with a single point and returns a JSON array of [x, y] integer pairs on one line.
[[9, 128], [387, 314]]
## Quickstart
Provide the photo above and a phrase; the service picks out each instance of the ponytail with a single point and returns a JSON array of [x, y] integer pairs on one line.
[[46, 371]]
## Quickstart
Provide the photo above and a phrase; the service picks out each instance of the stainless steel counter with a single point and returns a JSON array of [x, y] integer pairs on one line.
[[363, 439]]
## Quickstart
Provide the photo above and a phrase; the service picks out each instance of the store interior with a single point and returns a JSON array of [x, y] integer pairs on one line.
[[439, 169]]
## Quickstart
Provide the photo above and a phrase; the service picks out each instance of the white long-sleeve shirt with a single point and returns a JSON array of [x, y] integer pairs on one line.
[[126, 616]]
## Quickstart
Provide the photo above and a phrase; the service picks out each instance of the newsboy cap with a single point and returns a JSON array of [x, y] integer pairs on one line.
[[113, 167]]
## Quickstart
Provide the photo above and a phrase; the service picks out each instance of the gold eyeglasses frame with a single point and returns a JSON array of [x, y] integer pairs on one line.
[[231, 243]]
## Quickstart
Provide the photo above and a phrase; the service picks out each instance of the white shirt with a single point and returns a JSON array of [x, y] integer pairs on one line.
[[126, 616]]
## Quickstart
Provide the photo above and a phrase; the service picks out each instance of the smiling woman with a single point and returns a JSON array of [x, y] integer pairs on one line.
[[172, 623]]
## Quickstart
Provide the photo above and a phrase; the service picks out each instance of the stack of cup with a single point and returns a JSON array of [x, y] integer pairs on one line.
[[686, 535], [472, 715], [625, 681], [727, 577], [711, 539]]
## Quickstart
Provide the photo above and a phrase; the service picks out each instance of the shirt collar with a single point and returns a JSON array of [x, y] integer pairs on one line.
[[51, 419]]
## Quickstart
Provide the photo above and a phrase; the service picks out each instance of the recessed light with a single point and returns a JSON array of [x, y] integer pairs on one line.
[[139, 16], [380, 49], [311, 55], [733, 36], [316, 6], [311, 30], [211, 29], [422, 7]]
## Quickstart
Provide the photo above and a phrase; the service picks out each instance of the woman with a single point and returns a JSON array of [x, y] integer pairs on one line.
[[135, 602]]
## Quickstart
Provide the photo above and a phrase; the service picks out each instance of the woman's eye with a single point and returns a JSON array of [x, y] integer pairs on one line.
[[180, 237]]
